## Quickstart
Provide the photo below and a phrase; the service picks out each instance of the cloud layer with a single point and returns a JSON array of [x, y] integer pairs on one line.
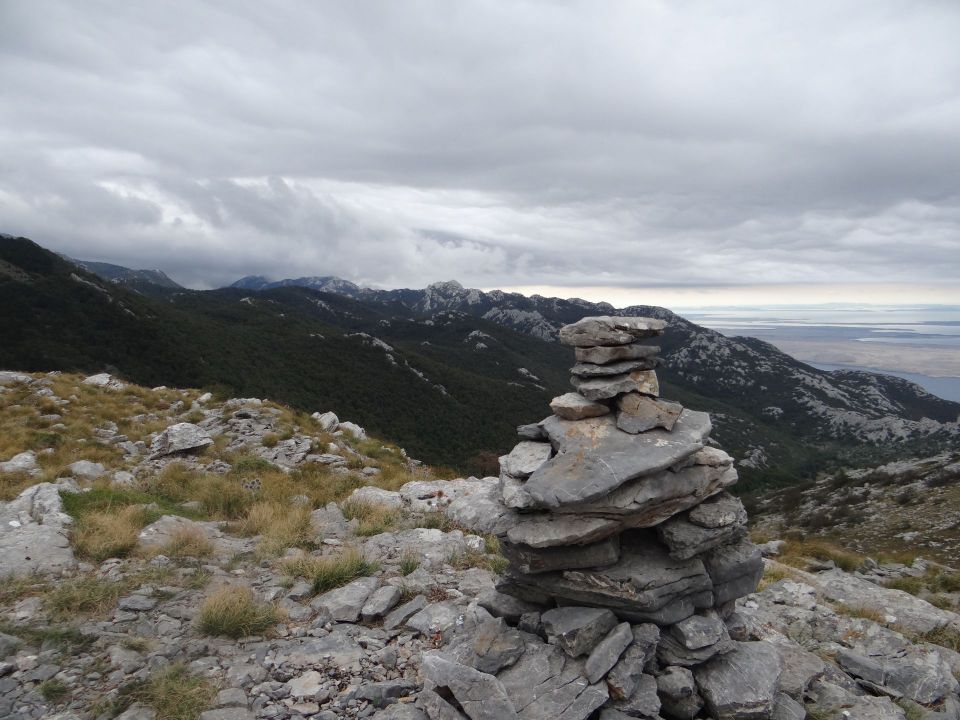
[[620, 145]]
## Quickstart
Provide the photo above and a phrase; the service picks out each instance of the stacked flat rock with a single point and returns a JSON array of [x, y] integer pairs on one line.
[[621, 509]]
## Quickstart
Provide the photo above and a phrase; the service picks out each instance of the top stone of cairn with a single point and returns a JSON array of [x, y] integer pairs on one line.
[[609, 330]]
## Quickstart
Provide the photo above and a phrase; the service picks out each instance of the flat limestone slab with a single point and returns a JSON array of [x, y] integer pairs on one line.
[[613, 353], [595, 457], [609, 330]]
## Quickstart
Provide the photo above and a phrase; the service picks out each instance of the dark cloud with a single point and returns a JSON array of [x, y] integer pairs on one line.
[[517, 143]]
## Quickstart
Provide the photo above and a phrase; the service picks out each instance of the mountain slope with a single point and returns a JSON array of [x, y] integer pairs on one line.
[[126, 276], [446, 371]]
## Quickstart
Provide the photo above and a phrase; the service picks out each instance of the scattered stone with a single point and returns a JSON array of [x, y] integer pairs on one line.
[[86, 470], [380, 602], [25, 462], [607, 652], [327, 421], [345, 603]]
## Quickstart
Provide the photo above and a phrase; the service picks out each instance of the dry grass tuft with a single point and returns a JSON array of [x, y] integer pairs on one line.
[[175, 693], [372, 518], [101, 535], [188, 542], [280, 526], [330, 571], [798, 553], [82, 596], [861, 612], [235, 612]]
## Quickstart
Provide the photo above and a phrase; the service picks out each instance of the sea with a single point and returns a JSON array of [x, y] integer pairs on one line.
[[905, 334]]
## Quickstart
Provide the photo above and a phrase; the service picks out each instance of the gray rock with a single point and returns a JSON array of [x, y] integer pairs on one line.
[[644, 701], [603, 388], [400, 615], [592, 370], [505, 606], [742, 684], [721, 510], [614, 353], [482, 511], [640, 413], [436, 707], [385, 692], [401, 711], [645, 585], [786, 708], [678, 693], [353, 429], [227, 714], [231, 697], [495, 646], [136, 712], [574, 406], [344, 603], [307, 685], [336, 648], [86, 470], [672, 651], [594, 457], [436, 618], [530, 561], [577, 630], [699, 631], [180, 438], [327, 421], [607, 652], [480, 695], [512, 493], [623, 678], [34, 533], [531, 431], [686, 540], [104, 380], [735, 570], [380, 602], [609, 330], [526, 457], [8, 645], [25, 462], [549, 530], [137, 603]]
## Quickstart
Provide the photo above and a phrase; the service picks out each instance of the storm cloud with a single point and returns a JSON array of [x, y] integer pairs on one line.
[[504, 144]]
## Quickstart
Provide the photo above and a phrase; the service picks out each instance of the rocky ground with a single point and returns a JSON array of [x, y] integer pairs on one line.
[[172, 555]]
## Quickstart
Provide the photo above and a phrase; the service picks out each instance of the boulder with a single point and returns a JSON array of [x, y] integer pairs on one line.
[[481, 511], [345, 603], [603, 388], [594, 457], [574, 406], [480, 695], [180, 438], [34, 533], [721, 510], [735, 570], [686, 540], [640, 413], [353, 429], [742, 684], [495, 646], [609, 330], [104, 380], [526, 457], [678, 693], [512, 493], [327, 421], [25, 462], [530, 431], [86, 470]]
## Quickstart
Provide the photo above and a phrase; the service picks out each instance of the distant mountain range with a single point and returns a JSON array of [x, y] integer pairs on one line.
[[445, 370], [127, 277]]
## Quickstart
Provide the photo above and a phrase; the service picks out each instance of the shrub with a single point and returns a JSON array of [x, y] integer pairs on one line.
[[235, 612]]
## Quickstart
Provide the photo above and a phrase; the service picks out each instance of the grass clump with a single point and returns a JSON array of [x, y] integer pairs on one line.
[[280, 526], [235, 612], [408, 563], [861, 612], [83, 596], [944, 636], [53, 690], [372, 518], [330, 571], [188, 542], [175, 693], [101, 535], [12, 484], [798, 553]]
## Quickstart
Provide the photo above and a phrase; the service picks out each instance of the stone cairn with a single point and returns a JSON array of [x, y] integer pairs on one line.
[[623, 528]]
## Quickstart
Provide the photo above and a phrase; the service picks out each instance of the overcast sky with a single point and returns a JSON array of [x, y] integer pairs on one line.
[[675, 152]]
